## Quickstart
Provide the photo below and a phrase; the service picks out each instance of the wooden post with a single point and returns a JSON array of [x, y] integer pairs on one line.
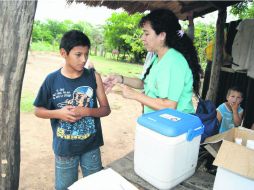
[[218, 56], [16, 20], [191, 27]]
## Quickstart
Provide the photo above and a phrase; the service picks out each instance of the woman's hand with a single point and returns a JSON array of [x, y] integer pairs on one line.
[[128, 92], [110, 81]]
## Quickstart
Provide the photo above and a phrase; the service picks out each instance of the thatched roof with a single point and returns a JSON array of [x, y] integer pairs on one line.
[[180, 8]]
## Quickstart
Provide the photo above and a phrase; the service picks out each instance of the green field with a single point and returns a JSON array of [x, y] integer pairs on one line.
[[107, 66]]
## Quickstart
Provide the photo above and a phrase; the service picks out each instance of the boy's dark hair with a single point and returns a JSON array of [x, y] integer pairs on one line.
[[74, 38], [236, 89]]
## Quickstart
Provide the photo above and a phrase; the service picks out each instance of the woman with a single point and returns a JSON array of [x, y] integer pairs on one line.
[[174, 73]]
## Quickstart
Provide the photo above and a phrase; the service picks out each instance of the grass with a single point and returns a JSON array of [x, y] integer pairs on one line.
[[107, 66], [43, 46], [27, 100], [102, 65]]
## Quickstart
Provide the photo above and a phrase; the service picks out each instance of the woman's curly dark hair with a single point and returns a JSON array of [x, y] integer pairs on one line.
[[164, 20]]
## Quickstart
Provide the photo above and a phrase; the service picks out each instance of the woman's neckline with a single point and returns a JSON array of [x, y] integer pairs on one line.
[[162, 52]]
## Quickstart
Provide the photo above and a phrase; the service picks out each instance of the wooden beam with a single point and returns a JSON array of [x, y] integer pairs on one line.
[[222, 4], [218, 56], [215, 5], [186, 7]]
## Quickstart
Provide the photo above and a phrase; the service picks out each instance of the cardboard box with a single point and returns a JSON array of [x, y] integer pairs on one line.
[[234, 158], [225, 180]]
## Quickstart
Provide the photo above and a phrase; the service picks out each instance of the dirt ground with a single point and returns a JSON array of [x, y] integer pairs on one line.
[[37, 159]]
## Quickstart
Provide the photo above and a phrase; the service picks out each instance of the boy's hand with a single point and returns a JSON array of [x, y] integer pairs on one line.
[[80, 111], [234, 106], [67, 114]]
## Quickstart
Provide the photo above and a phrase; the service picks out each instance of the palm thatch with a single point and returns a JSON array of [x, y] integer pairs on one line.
[[180, 8]]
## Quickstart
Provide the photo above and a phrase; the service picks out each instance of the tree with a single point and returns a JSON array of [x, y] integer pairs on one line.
[[114, 28], [122, 33], [16, 27], [243, 9], [97, 38], [56, 29], [133, 39], [41, 32], [204, 33], [51, 31]]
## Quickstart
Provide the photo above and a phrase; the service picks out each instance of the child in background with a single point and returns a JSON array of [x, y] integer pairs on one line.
[[230, 113]]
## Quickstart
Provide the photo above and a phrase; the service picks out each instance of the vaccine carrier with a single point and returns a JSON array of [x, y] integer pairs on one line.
[[166, 147]]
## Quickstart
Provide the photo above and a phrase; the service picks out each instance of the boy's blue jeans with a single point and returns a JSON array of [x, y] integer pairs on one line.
[[66, 168]]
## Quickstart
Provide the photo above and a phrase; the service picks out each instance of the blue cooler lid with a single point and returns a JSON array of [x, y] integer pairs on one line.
[[172, 123]]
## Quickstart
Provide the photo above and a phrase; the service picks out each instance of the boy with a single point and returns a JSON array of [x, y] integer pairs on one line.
[[68, 97], [230, 113]]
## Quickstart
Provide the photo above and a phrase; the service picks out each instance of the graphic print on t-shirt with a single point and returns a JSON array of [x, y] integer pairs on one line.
[[83, 128]]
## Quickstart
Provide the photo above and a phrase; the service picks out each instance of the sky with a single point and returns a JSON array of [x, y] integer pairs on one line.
[[58, 10]]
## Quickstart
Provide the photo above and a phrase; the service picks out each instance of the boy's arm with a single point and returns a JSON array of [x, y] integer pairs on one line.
[[219, 117], [103, 109], [65, 114], [237, 117]]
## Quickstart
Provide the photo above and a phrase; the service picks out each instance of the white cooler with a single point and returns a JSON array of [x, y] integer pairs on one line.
[[166, 147]]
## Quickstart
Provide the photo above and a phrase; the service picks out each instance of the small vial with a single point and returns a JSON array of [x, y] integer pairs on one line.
[[238, 140]]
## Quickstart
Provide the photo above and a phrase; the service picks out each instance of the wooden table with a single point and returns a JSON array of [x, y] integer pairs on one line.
[[124, 166]]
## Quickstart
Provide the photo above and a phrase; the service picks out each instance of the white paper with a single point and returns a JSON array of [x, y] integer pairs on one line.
[[106, 179]]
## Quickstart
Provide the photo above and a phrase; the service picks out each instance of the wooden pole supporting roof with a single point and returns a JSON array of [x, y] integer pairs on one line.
[[218, 56]]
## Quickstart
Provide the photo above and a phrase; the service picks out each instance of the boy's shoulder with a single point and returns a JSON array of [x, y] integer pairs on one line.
[[53, 74], [222, 107], [51, 77], [90, 71]]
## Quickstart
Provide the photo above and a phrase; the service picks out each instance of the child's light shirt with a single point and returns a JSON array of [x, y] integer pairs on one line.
[[227, 121]]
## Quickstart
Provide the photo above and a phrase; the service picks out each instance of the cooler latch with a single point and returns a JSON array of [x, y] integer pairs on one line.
[[195, 132]]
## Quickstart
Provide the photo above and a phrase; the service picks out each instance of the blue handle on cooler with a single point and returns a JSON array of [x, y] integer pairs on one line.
[[195, 132]]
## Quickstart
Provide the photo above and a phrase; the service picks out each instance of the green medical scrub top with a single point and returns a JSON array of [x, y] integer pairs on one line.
[[170, 78]]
